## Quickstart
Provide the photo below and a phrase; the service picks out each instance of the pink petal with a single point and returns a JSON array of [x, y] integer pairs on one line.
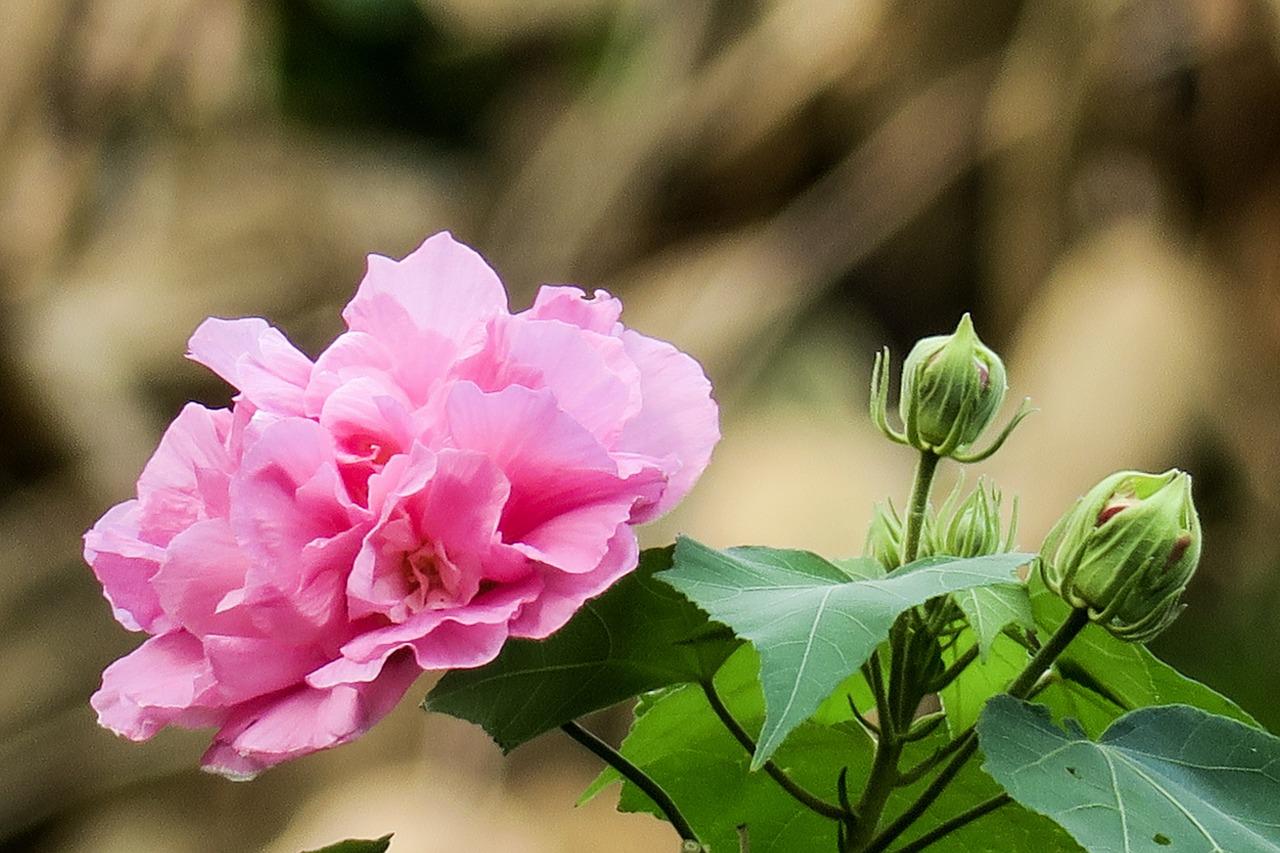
[[563, 593], [447, 503], [164, 681], [288, 493], [203, 563], [599, 313], [412, 361], [526, 435], [248, 667], [255, 358], [124, 565], [443, 286], [466, 636], [275, 729], [186, 478], [591, 375], [679, 423], [566, 499]]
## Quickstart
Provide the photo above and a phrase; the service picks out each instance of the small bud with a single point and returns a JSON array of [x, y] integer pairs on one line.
[[1126, 550], [952, 386], [884, 537], [972, 527]]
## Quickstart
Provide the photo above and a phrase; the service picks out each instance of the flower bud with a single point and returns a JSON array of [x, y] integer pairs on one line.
[[952, 386], [885, 535], [972, 527], [1126, 551]]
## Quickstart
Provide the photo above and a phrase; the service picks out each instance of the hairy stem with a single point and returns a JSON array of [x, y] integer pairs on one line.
[[952, 672], [918, 506], [633, 774], [895, 709], [968, 744], [797, 791], [947, 827]]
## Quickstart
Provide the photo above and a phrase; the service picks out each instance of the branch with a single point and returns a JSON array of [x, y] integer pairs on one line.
[[636, 776], [945, 828], [797, 791]]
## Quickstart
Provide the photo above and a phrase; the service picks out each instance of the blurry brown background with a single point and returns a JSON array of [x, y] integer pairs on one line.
[[778, 187]]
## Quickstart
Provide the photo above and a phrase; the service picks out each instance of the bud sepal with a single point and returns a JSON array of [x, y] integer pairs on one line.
[[1126, 551]]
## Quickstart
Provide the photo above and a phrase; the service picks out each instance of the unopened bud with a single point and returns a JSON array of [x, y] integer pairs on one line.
[[952, 386], [972, 527], [1126, 551]]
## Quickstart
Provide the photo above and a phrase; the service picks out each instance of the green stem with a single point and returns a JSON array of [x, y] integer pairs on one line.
[[945, 828], [968, 743], [952, 672], [635, 775], [884, 764], [918, 504], [798, 792]]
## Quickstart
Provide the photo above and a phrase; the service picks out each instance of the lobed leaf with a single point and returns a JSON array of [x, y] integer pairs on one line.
[[678, 740], [813, 622], [1104, 676], [1171, 776], [991, 609], [636, 637]]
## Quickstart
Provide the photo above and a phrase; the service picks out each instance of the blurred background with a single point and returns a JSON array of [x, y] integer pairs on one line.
[[778, 187]]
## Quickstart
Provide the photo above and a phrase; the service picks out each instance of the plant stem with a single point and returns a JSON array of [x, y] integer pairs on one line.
[[1048, 653], [918, 505], [895, 709], [947, 827], [1021, 686], [952, 672], [635, 775], [802, 796]]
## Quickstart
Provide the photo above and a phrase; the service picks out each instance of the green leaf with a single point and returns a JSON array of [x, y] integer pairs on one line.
[[356, 845], [638, 636], [990, 609], [1171, 776], [1104, 677], [678, 741], [963, 698], [813, 622]]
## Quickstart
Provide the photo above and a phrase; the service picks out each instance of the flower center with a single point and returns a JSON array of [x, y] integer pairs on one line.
[[432, 578]]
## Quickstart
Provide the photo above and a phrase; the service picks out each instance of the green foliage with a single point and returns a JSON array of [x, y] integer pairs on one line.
[[678, 741], [1103, 677], [991, 609], [1171, 776], [638, 636], [963, 698], [357, 845], [813, 622]]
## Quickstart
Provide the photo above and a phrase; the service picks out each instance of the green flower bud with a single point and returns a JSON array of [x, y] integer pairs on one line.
[[952, 386], [972, 527], [1126, 551], [884, 537]]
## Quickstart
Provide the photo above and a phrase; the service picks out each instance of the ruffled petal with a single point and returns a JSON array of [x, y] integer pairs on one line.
[[679, 422], [454, 638], [563, 594], [186, 478], [442, 286], [598, 313], [165, 681], [591, 375], [256, 359], [202, 564], [266, 732], [125, 565]]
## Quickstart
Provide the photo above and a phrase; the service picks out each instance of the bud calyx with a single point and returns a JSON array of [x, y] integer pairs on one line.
[[1126, 551], [952, 387]]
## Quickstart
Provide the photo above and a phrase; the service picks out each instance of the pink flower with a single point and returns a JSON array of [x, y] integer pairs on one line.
[[446, 475]]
